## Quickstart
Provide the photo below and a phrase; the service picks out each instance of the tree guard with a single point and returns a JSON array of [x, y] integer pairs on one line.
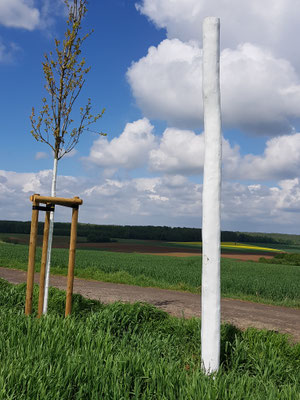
[[50, 203], [211, 199]]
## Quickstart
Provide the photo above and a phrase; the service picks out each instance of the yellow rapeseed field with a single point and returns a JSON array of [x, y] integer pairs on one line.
[[232, 245]]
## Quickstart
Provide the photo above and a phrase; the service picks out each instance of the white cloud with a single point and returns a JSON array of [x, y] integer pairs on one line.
[[280, 160], [167, 82], [261, 208], [260, 93], [182, 152], [129, 150], [271, 23], [167, 200], [288, 195], [155, 201], [8, 51], [16, 189], [23, 14], [49, 11], [175, 152], [179, 152], [19, 14], [41, 155]]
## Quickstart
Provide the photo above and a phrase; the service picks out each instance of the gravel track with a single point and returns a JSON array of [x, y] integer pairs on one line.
[[242, 314]]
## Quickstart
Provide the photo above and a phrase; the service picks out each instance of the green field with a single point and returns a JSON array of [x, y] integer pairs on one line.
[[260, 282], [123, 351]]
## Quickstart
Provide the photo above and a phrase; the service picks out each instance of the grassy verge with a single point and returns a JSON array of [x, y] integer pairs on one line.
[[123, 351], [267, 283]]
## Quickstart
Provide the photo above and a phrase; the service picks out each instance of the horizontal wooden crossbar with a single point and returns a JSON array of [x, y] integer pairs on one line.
[[61, 201]]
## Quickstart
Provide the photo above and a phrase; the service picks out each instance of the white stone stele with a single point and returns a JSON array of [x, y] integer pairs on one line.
[[211, 198]]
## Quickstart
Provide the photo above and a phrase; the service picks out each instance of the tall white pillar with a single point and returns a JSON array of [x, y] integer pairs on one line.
[[211, 198]]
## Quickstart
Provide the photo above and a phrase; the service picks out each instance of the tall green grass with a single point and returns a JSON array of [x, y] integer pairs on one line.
[[123, 351], [269, 283]]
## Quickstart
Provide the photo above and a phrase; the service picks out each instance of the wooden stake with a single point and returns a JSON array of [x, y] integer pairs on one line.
[[71, 261], [43, 263], [31, 258]]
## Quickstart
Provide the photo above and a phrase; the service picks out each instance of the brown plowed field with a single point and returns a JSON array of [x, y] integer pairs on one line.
[[163, 250], [242, 257], [151, 247]]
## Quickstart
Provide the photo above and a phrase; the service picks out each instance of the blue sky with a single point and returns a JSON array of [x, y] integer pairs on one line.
[[121, 35], [146, 71]]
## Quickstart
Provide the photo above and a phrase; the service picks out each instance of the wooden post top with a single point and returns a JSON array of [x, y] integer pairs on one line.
[[61, 201]]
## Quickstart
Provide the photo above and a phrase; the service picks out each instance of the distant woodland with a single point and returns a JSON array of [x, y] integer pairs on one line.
[[106, 233]]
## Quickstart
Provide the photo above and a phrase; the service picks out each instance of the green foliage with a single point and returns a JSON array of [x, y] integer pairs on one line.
[[64, 73], [283, 238], [268, 283], [283, 258], [258, 238], [14, 227], [95, 237], [123, 351], [167, 233]]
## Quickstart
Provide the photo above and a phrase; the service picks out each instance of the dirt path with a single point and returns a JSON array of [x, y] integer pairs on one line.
[[243, 314]]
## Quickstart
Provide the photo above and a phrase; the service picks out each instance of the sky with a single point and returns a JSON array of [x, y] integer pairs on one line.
[[146, 71]]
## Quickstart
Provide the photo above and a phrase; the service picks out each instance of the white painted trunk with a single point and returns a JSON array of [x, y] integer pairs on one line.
[[51, 225], [211, 200]]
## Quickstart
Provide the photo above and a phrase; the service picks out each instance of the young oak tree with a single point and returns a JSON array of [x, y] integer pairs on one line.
[[64, 71]]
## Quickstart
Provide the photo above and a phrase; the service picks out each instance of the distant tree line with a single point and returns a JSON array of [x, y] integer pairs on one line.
[[104, 233], [227, 236]]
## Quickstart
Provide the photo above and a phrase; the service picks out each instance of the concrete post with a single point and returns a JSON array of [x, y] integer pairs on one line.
[[211, 200]]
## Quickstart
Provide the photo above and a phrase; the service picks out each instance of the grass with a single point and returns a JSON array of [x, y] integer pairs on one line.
[[260, 282], [123, 351], [283, 258]]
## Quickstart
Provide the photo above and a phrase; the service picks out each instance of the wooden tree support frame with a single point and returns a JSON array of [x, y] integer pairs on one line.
[[50, 203]]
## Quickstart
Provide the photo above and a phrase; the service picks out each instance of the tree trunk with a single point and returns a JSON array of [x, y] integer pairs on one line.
[[211, 200], [48, 263]]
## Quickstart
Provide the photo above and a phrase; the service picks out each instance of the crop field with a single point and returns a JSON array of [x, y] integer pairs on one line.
[[23, 238], [123, 351], [150, 246], [261, 282], [235, 247]]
